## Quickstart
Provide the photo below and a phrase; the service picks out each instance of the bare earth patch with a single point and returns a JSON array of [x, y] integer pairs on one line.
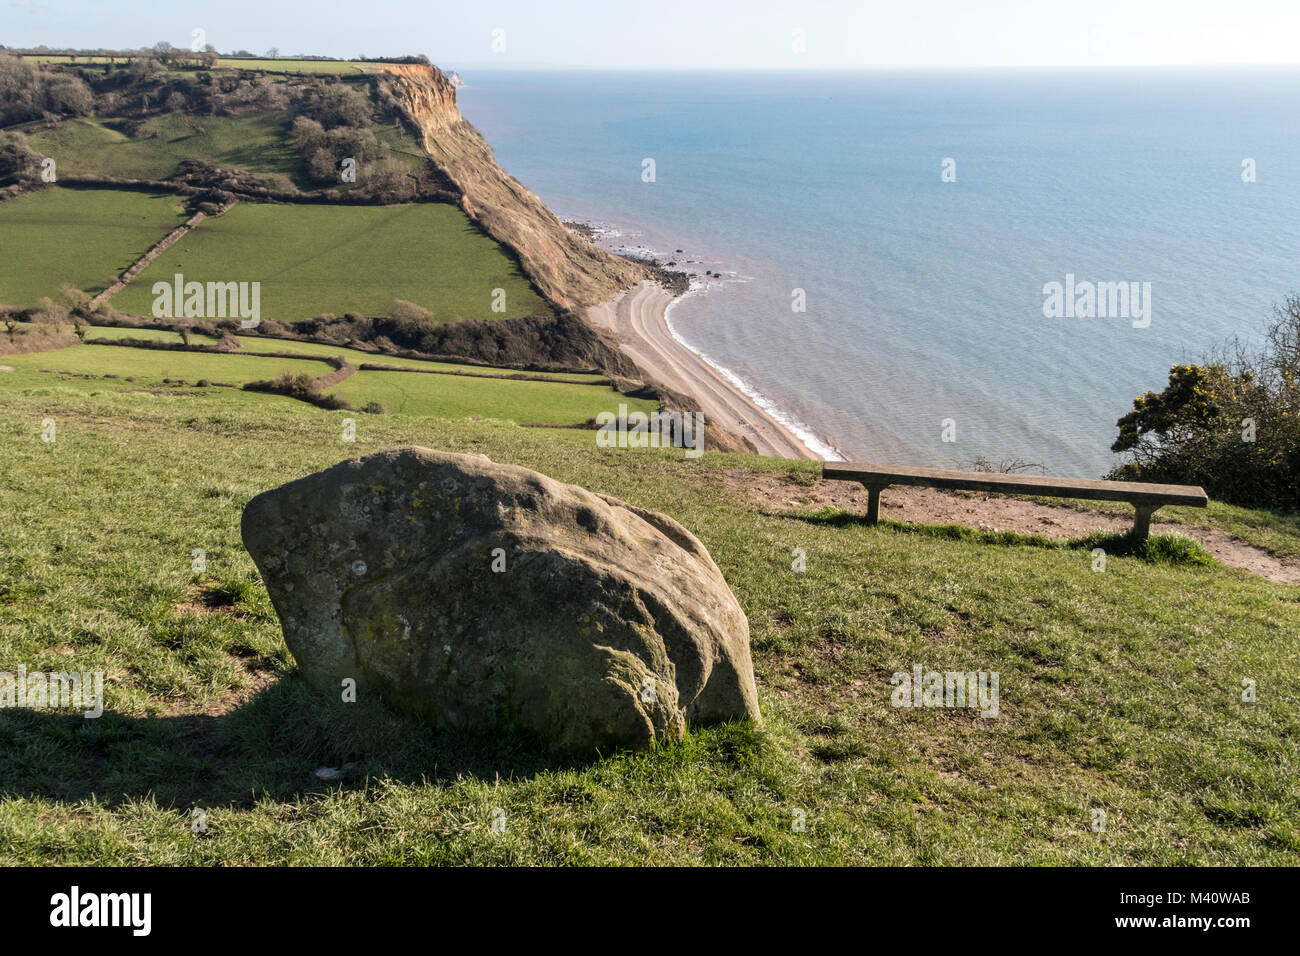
[[999, 513], [204, 601]]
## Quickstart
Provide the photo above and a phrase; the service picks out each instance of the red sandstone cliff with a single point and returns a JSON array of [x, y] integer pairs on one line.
[[567, 269]]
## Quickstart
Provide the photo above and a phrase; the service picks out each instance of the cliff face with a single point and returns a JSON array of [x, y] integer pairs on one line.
[[567, 269]]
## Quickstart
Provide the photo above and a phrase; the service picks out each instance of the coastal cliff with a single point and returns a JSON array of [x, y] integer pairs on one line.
[[569, 271]]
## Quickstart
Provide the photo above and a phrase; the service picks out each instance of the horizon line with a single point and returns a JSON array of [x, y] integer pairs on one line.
[[490, 65]]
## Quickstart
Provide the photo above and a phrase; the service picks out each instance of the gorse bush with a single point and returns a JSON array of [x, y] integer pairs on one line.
[[1230, 424]]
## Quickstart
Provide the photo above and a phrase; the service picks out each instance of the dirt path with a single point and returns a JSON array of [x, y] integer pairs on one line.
[[639, 318], [999, 513]]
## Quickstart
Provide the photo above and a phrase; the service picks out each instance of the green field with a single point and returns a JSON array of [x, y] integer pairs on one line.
[[151, 366], [82, 237], [1119, 691], [262, 64], [313, 260], [408, 394], [152, 335], [253, 343], [458, 396], [281, 65], [257, 143]]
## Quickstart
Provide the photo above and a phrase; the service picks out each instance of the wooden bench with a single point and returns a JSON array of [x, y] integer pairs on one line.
[[1146, 498]]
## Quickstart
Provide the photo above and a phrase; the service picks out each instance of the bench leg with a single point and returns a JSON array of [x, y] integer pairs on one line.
[[1142, 521], [873, 502]]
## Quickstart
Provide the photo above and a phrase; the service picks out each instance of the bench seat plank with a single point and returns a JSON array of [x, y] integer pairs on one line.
[[870, 473]]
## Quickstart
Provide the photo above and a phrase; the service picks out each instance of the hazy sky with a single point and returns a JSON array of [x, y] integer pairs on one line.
[[679, 34]]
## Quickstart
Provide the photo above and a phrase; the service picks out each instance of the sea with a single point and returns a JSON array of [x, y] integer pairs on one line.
[[892, 252]]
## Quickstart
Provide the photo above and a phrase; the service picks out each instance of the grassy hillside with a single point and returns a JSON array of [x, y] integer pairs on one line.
[[457, 396], [101, 332], [255, 142], [152, 366], [253, 343], [80, 237], [1119, 691], [89, 146], [485, 394], [313, 260]]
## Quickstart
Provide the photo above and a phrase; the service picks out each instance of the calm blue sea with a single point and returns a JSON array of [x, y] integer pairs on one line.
[[924, 298]]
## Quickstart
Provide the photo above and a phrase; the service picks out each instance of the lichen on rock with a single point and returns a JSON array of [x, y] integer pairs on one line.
[[488, 596]]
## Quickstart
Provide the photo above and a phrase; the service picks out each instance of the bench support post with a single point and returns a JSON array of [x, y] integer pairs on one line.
[[1142, 521], [873, 502]]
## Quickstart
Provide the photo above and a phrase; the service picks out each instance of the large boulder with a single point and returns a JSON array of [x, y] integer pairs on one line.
[[489, 596]]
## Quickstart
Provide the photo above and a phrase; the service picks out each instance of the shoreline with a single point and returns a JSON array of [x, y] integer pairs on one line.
[[639, 318]]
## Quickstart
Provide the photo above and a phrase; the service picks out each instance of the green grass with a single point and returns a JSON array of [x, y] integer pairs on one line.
[[261, 64], [151, 335], [1119, 690], [313, 260], [1157, 548], [253, 343], [258, 143], [151, 366], [441, 396], [279, 65], [456, 396], [81, 237], [1277, 532]]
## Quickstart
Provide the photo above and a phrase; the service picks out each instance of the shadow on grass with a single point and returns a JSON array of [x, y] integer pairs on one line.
[[1174, 549], [269, 747]]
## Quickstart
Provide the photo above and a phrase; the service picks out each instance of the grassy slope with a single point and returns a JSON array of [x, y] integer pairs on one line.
[[253, 343], [154, 335], [458, 396], [443, 396], [81, 237], [1277, 532], [1119, 690], [153, 365], [257, 143], [313, 260]]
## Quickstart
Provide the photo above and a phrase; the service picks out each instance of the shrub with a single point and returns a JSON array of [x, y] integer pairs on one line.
[[17, 160], [301, 386], [335, 104], [323, 150], [1230, 424], [27, 92]]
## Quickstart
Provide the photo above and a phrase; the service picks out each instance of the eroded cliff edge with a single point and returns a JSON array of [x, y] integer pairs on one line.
[[568, 270]]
